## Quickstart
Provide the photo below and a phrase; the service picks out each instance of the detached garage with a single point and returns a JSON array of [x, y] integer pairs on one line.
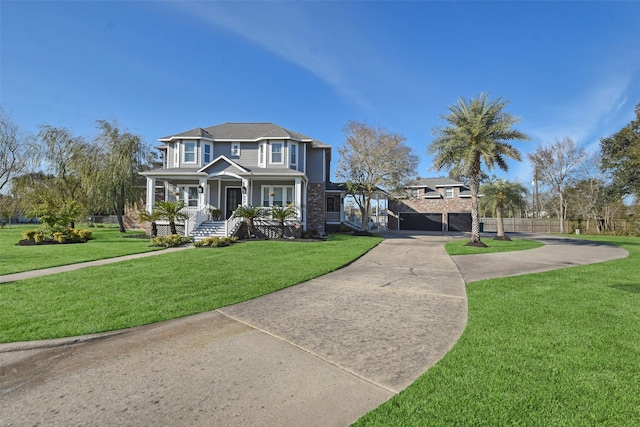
[[421, 221], [459, 221]]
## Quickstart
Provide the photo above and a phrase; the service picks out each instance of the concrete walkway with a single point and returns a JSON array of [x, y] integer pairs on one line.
[[322, 353]]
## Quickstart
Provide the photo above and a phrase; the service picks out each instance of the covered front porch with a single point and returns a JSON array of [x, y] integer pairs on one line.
[[211, 199]]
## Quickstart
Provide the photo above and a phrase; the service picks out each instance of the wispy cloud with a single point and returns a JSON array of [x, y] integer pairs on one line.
[[296, 32], [584, 117]]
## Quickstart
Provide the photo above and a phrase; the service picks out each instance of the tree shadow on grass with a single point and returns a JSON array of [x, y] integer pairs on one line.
[[633, 288]]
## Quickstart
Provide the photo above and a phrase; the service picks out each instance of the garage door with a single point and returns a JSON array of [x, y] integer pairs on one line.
[[421, 221], [459, 221]]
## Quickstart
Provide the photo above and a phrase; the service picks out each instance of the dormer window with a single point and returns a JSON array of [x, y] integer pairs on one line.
[[235, 149], [415, 192], [189, 152], [448, 192]]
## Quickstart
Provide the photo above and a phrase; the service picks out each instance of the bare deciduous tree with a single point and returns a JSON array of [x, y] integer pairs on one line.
[[555, 165], [373, 158], [11, 150]]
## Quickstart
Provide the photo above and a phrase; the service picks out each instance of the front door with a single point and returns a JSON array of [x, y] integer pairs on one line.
[[234, 198]]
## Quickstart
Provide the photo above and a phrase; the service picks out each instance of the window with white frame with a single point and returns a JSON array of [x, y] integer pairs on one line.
[[415, 192], [448, 192], [206, 155], [276, 152], [235, 149], [189, 152], [293, 154], [261, 152], [189, 195], [277, 195], [176, 155]]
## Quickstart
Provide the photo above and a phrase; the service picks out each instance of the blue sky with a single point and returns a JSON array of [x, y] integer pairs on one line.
[[569, 69]]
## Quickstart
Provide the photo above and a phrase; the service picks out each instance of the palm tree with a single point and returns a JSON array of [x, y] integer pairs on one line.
[[478, 130], [250, 213], [152, 218], [171, 212], [283, 213], [499, 195]]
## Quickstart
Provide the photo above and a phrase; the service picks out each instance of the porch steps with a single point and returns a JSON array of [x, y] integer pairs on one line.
[[208, 229]]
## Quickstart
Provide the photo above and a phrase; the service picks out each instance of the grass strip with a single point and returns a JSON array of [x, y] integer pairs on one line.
[[554, 348], [457, 247], [166, 286], [107, 243]]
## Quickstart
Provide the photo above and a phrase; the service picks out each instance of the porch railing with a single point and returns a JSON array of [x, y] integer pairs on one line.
[[332, 216], [231, 225], [196, 217]]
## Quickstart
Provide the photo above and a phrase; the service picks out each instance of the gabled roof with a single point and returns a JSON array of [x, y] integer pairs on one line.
[[249, 132], [223, 159], [435, 183]]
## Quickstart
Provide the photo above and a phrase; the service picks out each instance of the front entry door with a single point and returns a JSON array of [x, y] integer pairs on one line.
[[234, 198]]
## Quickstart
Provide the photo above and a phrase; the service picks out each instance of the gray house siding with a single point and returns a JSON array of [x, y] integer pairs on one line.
[[315, 165]]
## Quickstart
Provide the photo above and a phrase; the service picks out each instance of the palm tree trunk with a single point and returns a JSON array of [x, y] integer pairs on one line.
[[172, 226], [474, 186], [500, 224]]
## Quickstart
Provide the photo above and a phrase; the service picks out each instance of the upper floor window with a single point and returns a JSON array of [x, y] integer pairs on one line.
[[448, 192], [276, 152], [293, 154], [207, 154], [261, 151], [235, 149], [414, 193], [176, 155], [189, 152]]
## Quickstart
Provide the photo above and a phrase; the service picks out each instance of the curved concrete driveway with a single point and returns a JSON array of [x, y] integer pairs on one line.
[[318, 354]]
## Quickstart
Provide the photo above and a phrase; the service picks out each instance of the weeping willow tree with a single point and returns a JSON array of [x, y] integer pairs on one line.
[[478, 131], [111, 169]]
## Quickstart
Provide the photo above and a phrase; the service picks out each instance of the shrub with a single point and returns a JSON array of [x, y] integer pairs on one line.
[[82, 234], [60, 237], [28, 234], [170, 241], [215, 242]]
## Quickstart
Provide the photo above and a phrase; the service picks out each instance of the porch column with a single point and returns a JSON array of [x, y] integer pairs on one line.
[[245, 192], [151, 193], [298, 197], [342, 216], [202, 193]]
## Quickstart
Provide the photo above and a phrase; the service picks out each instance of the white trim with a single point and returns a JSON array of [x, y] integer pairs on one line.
[[226, 159], [178, 138]]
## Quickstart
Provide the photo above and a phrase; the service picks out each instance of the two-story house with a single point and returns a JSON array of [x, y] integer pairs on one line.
[[246, 164], [432, 204]]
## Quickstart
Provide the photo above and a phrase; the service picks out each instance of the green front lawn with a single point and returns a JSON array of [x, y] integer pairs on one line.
[[559, 348], [166, 286], [107, 243]]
